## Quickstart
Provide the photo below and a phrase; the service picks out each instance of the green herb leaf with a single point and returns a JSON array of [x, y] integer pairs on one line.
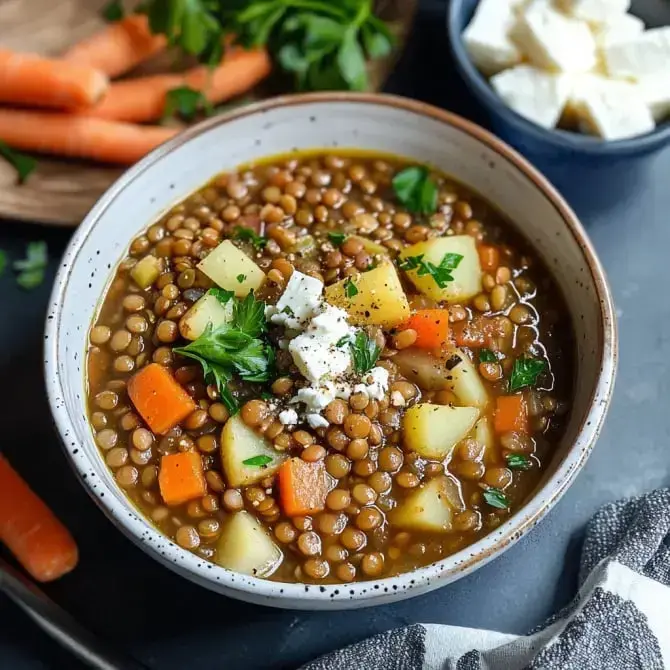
[[186, 102], [496, 498], [337, 238], [113, 11], [248, 235], [3, 261], [487, 356], [343, 340], [249, 315], [221, 294], [351, 61], [416, 190], [364, 352], [518, 462], [350, 289], [258, 461], [241, 277], [378, 44], [267, 396], [441, 273], [31, 269], [23, 164], [525, 372]]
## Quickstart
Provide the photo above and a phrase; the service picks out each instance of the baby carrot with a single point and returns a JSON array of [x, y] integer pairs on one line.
[[29, 529], [80, 137], [143, 98], [27, 79], [118, 47]]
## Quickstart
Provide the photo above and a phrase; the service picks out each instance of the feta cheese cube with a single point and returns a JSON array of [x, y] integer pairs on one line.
[[538, 96], [648, 53], [288, 417], [618, 29], [611, 109], [487, 37], [553, 41], [655, 90], [595, 11], [316, 421], [300, 301]]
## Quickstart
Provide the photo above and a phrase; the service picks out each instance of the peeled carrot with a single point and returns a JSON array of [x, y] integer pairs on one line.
[[303, 487], [159, 398], [181, 478], [143, 98], [27, 79], [118, 47], [510, 414], [80, 137], [431, 326], [489, 257], [29, 529]]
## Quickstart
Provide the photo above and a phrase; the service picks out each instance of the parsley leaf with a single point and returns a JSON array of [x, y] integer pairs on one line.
[[24, 165], [496, 498], [350, 289], [248, 235], [31, 269], [440, 273], [518, 462], [525, 372], [337, 238], [3, 261], [186, 102], [241, 277], [416, 190], [364, 352], [258, 461], [249, 315], [487, 356], [221, 294], [113, 11]]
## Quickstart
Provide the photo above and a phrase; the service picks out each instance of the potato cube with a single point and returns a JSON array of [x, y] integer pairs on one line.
[[430, 507], [230, 268], [146, 271], [206, 310]]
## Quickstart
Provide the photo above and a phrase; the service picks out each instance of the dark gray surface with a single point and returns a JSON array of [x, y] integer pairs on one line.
[[169, 623]]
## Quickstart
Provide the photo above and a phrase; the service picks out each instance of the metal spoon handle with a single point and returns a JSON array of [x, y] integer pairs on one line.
[[89, 648]]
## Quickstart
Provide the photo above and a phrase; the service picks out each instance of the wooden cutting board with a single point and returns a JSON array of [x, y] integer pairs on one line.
[[61, 192]]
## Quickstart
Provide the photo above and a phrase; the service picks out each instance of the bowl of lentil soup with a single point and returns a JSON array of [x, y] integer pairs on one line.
[[347, 359]]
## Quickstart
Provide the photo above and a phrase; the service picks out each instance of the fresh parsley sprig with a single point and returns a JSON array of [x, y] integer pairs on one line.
[[248, 235], [23, 164], [31, 270], [337, 238], [496, 498], [518, 462], [487, 356], [441, 273], [258, 461], [416, 190], [187, 103], [525, 372], [364, 351]]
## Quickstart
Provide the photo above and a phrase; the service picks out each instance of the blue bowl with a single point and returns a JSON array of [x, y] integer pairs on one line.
[[588, 170]]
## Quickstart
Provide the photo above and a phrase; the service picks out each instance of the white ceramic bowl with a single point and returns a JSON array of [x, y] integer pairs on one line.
[[331, 120]]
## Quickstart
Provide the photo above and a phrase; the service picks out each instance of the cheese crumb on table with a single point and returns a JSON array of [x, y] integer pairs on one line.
[[646, 54], [537, 95], [597, 11]]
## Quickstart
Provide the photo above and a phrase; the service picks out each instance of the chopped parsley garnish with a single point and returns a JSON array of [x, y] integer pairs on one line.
[[32, 268], [518, 462], [113, 11], [248, 235], [525, 372], [416, 190], [240, 278], [350, 289], [496, 498], [487, 356], [288, 311], [258, 461], [186, 102], [364, 352], [337, 238], [440, 273], [266, 395], [221, 294], [24, 165]]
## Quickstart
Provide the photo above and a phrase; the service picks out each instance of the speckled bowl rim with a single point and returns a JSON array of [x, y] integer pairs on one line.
[[371, 592], [579, 144]]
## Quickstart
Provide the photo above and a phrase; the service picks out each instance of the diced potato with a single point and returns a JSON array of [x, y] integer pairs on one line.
[[207, 309], [372, 247], [483, 433], [434, 430], [467, 276], [422, 368], [244, 546], [430, 507], [378, 297], [465, 381], [146, 271], [240, 443], [230, 268]]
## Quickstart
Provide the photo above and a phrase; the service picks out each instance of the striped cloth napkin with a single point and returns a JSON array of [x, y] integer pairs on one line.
[[619, 619]]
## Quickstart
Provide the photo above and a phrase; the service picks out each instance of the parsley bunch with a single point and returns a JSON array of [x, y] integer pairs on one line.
[[440, 273]]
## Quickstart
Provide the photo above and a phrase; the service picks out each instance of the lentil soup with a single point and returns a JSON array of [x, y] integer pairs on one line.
[[328, 367]]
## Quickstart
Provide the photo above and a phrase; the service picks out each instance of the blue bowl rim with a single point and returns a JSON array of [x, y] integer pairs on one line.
[[562, 139]]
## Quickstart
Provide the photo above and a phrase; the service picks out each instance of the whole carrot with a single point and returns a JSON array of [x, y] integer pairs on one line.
[[79, 136], [143, 99], [27, 79], [29, 529], [118, 47]]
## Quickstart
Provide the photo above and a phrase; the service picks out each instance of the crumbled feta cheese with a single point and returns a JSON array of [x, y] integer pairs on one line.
[[397, 399], [301, 301], [551, 40], [536, 95], [288, 417], [618, 29], [487, 36], [655, 90], [314, 398], [377, 383], [595, 11], [646, 54], [317, 421], [362, 389]]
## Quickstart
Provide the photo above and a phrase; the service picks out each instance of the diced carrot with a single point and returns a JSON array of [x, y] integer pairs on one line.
[[31, 531], [510, 414], [159, 399], [80, 137], [28, 79], [118, 47], [181, 477], [143, 99], [431, 326], [489, 257], [303, 487], [468, 334]]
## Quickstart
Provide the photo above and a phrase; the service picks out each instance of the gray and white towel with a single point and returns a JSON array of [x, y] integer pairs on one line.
[[619, 619]]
